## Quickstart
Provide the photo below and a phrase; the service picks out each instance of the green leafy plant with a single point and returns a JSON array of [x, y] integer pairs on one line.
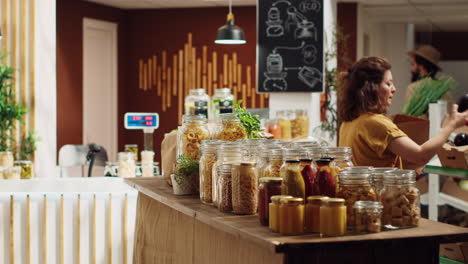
[[28, 146], [186, 169], [10, 110], [250, 122]]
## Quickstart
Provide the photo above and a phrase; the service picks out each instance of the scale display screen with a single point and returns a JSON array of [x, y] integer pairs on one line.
[[141, 120]]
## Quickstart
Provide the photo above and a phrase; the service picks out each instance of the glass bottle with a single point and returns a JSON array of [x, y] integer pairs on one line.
[[267, 188], [354, 187], [226, 153], [27, 170], [127, 166], [224, 186], [377, 179], [207, 160], [400, 199], [324, 182], [293, 183], [275, 161], [132, 148], [230, 128], [312, 213], [291, 216], [307, 172], [244, 188], [273, 212], [341, 159], [333, 217], [196, 103], [300, 124], [284, 122], [221, 102], [189, 136]]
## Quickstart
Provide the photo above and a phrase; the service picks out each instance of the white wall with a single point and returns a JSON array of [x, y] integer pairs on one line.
[[45, 88], [309, 101]]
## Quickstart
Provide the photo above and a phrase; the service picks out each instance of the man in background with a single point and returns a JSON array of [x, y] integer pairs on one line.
[[429, 84]]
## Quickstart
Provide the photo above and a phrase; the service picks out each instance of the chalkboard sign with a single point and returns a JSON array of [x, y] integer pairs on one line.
[[290, 46]]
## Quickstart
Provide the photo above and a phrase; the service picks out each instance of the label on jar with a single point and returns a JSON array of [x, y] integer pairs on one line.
[[222, 106], [200, 108]]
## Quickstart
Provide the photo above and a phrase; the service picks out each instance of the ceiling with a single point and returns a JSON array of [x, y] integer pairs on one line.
[[427, 15]]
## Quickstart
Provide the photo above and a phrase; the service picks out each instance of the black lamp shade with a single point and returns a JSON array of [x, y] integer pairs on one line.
[[230, 34]]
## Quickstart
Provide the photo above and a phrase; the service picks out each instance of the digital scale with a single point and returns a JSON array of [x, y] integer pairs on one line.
[[147, 122]]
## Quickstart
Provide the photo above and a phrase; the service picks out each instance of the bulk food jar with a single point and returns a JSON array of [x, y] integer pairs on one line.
[[368, 216], [244, 188], [207, 160], [400, 199], [27, 171], [307, 171], [267, 188], [300, 124], [324, 182], [229, 128], [293, 183], [127, 167], [224, 187], [193, 130], [354, 187], [341, 159], [222, 102], [226, 153], [284, 122], [196, 103], [377, 179], [275, 161]]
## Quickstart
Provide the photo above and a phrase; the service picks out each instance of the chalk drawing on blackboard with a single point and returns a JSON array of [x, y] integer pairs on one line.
[[275, 76], [274, 23], [310, 54], [310, 5], [310, 76], [281, 1], [305, 29]]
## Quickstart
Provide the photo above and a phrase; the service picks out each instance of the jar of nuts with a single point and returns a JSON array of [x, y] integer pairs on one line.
[[354, 187], [400, 199], [377, 179], [368, 216]]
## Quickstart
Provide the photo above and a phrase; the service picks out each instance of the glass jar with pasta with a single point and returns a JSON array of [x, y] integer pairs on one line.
[[244, 188], [226, 153], [300, 124], [284, 122], [207, 160], [230, 128], [191, 133]]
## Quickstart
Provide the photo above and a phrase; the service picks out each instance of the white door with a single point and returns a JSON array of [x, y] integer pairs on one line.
[[100, 84]]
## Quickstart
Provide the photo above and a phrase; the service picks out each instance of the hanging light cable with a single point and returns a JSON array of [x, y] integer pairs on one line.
[[230, 33]]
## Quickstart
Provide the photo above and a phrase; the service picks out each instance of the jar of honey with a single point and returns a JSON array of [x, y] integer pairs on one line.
[[333, 217], [273, 212], [269, 186], [312, 213], [291, 216]]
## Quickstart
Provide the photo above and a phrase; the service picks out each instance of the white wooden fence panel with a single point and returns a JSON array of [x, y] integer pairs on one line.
[[17, 232], [100, 220], [34, 228], [130, 227]]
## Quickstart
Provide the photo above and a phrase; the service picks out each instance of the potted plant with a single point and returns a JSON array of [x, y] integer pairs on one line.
[[185, 179]]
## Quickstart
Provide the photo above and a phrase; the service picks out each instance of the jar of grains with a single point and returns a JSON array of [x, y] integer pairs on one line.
[[207, 160], [193, 130], [224, 186], [244, 188], [226, 153]]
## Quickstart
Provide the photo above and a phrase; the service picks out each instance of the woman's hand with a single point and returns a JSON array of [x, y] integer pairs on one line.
[[456, 119]]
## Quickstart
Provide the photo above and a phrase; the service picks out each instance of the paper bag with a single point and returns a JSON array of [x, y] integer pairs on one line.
[[168, 155]]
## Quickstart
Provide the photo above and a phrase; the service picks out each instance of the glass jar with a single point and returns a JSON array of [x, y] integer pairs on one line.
[[312, 214], [222, 102], [27, 171], [274, 128], [275, 161], [308, 174], [6, 159], [300, 124], [226, 153], [273, 212], [12, 173], [207, 160], [251, 149], [354, 187], [196, 103], [147, 164], [324, 182], [333, 217], [341, 159], [127, 166], [377, 179], [291, 216], [193, 130], [373, 218], [244, 188], [132, 148], [230, 128], [267, 188], [262, 160], [224, 192], [284, 122], [400, 199], [293, 183]]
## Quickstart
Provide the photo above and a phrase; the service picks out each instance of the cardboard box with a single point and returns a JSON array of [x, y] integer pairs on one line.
[[453, 157], [455, 251], [451, 187]]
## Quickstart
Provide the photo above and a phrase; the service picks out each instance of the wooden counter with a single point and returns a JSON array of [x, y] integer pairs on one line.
[[180, 229]]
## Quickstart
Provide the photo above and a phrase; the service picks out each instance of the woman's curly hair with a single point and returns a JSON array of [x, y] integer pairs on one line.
[[359, 91]]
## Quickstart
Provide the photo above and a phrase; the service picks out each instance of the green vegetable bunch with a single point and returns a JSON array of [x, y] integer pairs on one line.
[[251, 123], [429, 90], [186, 169]]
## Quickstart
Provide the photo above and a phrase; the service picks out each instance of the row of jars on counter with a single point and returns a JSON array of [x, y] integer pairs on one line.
[[289, 124], [14, 169], [128, 167]]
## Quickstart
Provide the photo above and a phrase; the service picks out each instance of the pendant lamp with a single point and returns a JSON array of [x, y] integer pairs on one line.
[[230, 33]]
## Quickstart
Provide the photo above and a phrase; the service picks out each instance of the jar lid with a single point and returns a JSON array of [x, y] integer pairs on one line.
[[322, 161], [318, 200], [374, 206], [198, 119], [293, 200], [363, 204], [379, 172], [24, 162], [270, 179], [248, 164], [399, 177], [277, 198], [223, 90], [291, 161], [334, 201], [359, 168], [131, 145], [350, 177]]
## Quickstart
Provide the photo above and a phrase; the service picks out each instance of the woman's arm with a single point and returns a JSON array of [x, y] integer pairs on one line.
[[421, 154]]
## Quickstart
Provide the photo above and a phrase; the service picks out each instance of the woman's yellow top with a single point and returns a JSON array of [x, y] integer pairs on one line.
[[369, 136]]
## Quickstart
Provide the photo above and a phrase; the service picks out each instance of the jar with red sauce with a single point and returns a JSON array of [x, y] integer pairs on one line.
[[324, 181], [269, 186]]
